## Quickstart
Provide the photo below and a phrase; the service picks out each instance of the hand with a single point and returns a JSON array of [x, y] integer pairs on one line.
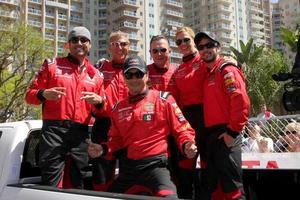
[[190, 150], [94, 150], [54, 93], [263, 145], [101, 62], [227, 139], [91, 98]]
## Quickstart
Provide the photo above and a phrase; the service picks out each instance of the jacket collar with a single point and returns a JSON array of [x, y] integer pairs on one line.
[[138, 97], [189, 57]]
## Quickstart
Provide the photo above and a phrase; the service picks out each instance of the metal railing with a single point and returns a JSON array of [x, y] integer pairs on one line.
[[277, 134]]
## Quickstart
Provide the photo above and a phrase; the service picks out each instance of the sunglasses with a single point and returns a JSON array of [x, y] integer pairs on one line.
[[130, 75], [208, 45], [117, 44], [179, 41], [289, 132], [162, 50], [75, 40]]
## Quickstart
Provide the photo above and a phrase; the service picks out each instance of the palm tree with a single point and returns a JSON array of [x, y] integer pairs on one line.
[[290, 38], [259, 64]]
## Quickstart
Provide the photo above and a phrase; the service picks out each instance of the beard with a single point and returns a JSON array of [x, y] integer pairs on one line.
[[210, 58]]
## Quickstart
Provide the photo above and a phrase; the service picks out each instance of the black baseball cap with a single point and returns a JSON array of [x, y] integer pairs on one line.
[[205, 34], [135, 62]]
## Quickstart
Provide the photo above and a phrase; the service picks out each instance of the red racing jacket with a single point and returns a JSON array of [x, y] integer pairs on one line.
[[225, 97], [114, 84], [189, 79], [162, 79], [143, 127], [64, 72]]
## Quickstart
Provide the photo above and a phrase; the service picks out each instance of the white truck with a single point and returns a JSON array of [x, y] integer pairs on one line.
[[20, 174], [266, 175]]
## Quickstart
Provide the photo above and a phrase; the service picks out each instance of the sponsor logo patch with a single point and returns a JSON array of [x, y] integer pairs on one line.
[[149, 107], [147, 117]]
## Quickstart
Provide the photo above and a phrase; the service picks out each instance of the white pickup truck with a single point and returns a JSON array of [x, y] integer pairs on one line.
[[266, 175], [20, 174]]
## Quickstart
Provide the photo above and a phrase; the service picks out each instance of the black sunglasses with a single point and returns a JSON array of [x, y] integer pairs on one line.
[[179, 41], [130, 75], [75, 40], [117, 44], [155, 51], [289, 132], [208, 45]]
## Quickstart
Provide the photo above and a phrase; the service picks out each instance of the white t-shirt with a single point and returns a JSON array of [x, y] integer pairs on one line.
[[251, 145]]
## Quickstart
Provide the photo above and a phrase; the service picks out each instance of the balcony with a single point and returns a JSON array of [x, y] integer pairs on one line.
[[174, 23], [172, 43], [62, 16], [55, 4], [12, 2], [225, 27], [173, 13], [133, 36], [103, 36], [35, 1], [224, 9], [256, 18], [257, 26], [76, 9], [176, 55], [76, 19], [127, 3], [102, 6], [134, 48], [173, 3], [221, 17], [50, 14], [225, 45], [226, 37], [62, 39], [224, 2], [49, 26], [34, 23], [62, 28], [34, 11], [129, 25], [256, 10], [8, 14], [49, 36], [126, 14]]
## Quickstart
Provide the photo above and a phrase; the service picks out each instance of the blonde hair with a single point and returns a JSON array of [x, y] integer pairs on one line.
[[118, 34], [293, 126], [185, 29]]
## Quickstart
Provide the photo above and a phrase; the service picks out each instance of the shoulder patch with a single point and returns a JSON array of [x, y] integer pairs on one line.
[[223, 65], [163, 95]]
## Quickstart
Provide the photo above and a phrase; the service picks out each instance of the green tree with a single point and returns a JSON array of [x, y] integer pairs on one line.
[[290, 37], [259, 64], [22, 51]]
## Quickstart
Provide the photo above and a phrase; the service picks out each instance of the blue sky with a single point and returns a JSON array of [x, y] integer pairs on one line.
[[274, 1]]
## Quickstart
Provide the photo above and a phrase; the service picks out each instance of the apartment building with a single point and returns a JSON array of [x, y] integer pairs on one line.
[[285, 13], [231, 20], [277, 24], [141, 19]]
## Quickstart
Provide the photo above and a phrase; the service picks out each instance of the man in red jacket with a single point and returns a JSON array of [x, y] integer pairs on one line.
[[69, 89], [141, 124], [115, 90], [226, 110]]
